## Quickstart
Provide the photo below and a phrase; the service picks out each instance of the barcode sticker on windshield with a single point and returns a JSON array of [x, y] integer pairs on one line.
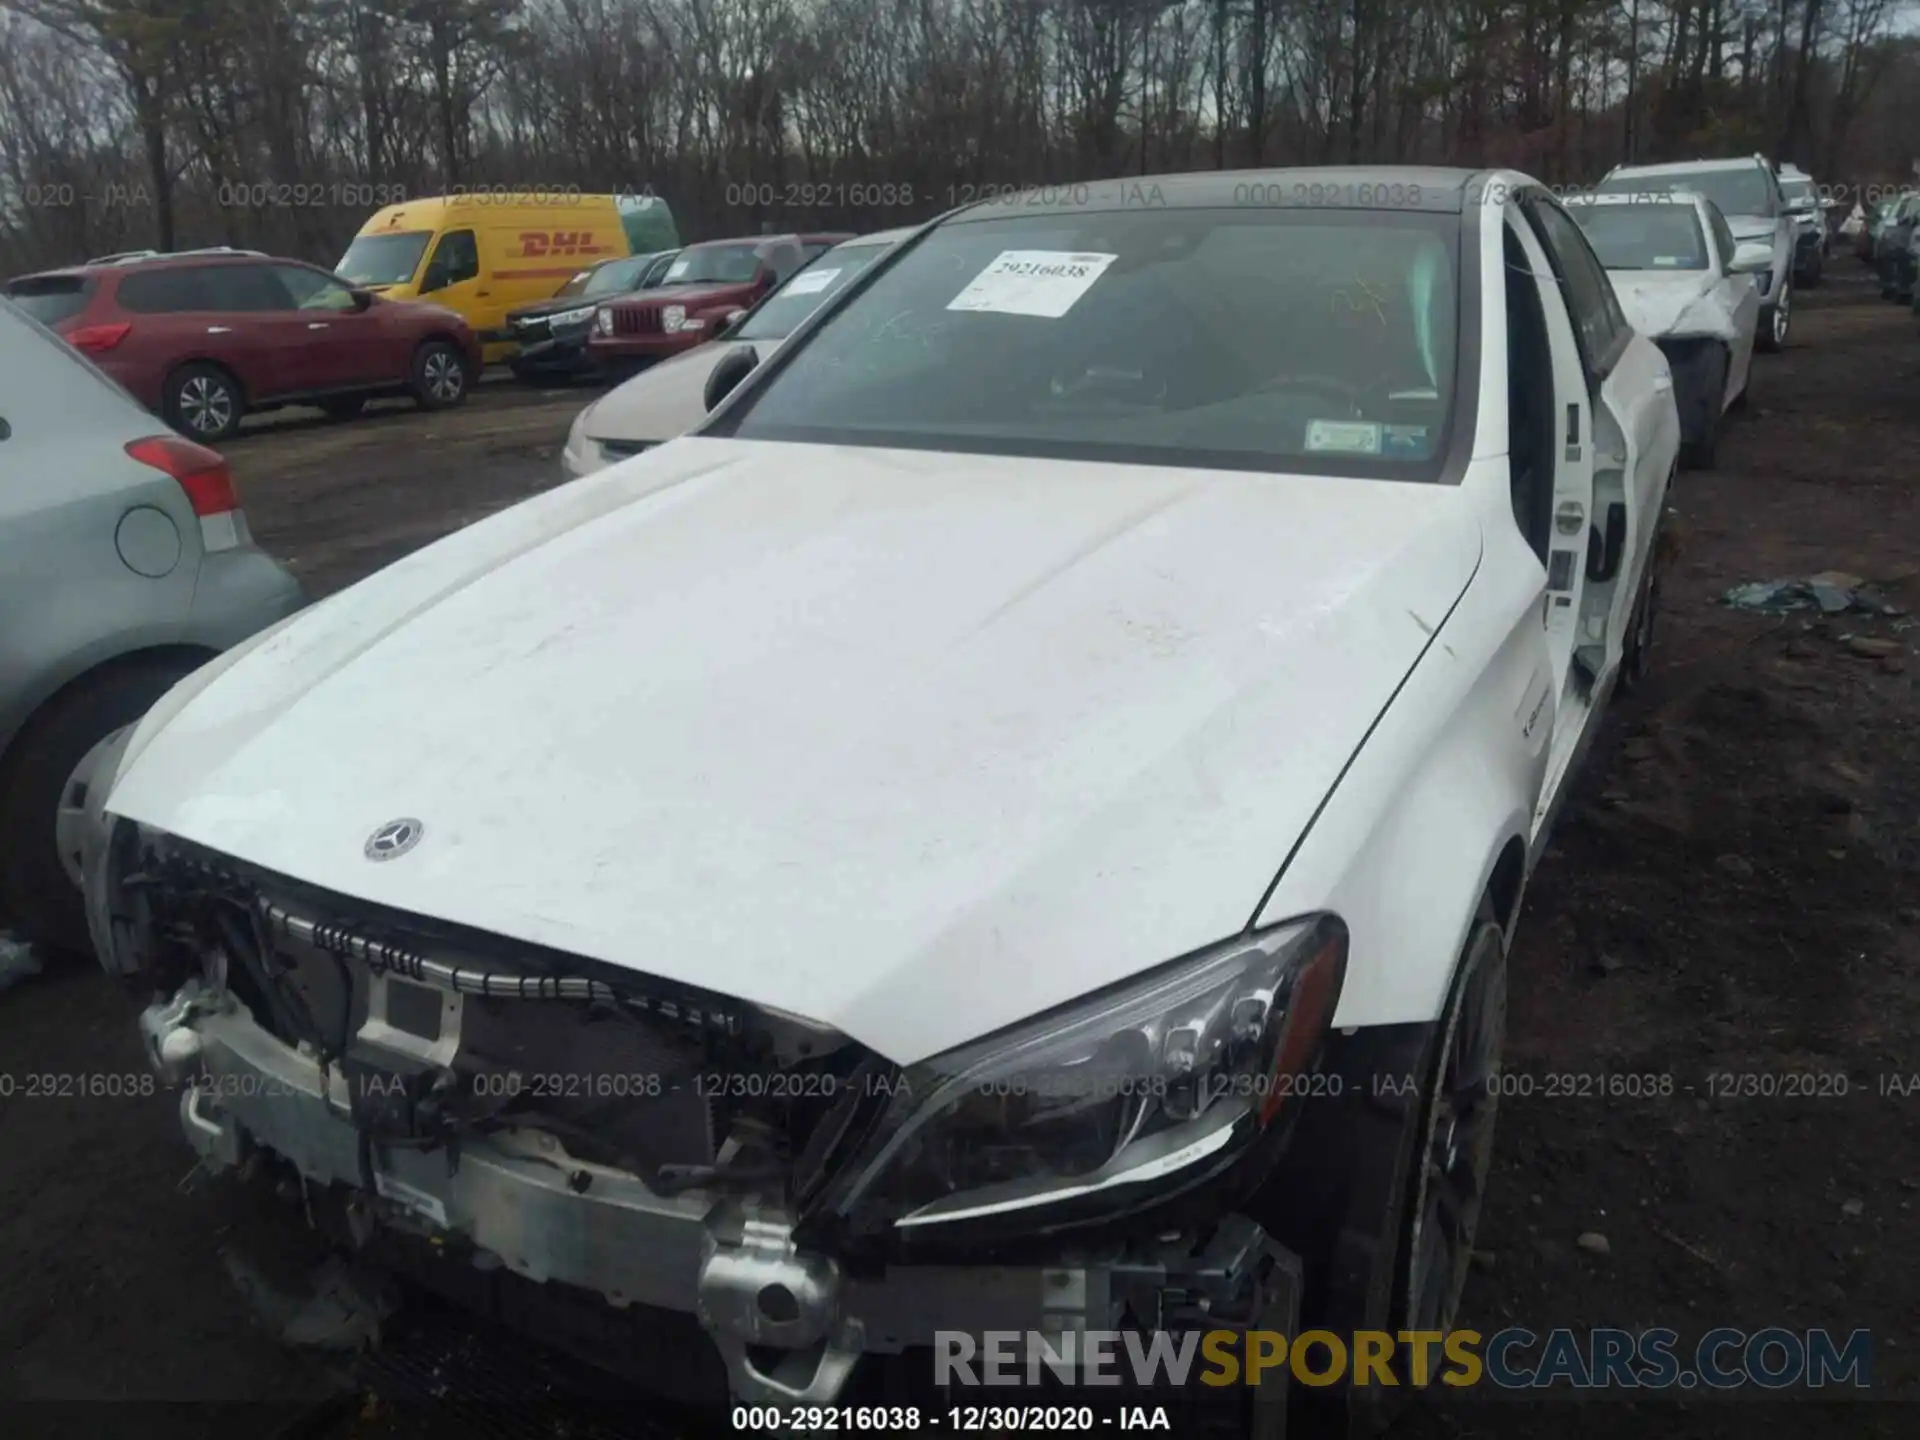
[[1344, 437], [811, 282], [1046, 283]]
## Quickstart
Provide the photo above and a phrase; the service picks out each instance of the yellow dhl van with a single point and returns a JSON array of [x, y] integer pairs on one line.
[[486, 253]]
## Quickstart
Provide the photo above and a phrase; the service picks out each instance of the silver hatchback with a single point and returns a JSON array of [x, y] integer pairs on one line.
[[125, 564]]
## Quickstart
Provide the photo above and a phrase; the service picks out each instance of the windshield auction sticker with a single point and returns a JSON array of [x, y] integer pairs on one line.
[[810, 282], [1046, 283]]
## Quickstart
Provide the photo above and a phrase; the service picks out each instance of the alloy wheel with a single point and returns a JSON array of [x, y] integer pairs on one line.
[[444, 376], [206, 405], [1782, 317], [1456, 1152]]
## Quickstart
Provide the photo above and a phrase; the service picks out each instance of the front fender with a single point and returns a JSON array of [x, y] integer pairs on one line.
[[1437, 806]]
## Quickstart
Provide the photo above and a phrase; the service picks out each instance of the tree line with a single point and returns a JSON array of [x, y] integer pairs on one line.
[[280, 124]]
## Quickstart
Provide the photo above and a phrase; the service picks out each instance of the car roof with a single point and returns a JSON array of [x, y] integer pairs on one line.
[[1679, 167], [168, 261], [1689, 198], [1434, 189]]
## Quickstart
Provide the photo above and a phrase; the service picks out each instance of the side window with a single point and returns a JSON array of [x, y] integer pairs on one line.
[[164, 292], [313, 289], [246, 288], [1597, 318], [455, 258]]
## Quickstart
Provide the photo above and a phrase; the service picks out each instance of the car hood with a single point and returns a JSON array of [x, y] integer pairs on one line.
[[558, 306], [664, 400], [685, 294], [914, 745], [1666, 302]]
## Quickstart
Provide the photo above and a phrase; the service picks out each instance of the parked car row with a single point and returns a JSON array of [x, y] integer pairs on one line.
[[1129, 737]]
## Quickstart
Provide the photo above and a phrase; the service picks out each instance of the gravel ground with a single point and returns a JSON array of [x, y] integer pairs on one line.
[[1731, 895]]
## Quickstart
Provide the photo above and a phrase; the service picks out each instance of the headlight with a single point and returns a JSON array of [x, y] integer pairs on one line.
[[573, 317], [581, 455], [603, 320], [1153, 1084], [673, 318]]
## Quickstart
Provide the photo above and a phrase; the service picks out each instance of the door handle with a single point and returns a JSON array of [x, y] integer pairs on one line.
[[219, 329], [1662, 384], [316, 324], [483, 292]]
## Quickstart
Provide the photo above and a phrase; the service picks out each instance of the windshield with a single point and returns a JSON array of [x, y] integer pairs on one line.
[[51, 298], [715, 265], [1244, 339], [781, 313], [1644, 237], [388, 259], [616, 277], [1741, 192]]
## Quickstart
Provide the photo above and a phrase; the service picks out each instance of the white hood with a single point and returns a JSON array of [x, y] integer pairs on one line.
[[1673, 302], [915, 745]]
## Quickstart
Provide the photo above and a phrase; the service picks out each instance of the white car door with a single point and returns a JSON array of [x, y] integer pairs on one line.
[[1633, 429]]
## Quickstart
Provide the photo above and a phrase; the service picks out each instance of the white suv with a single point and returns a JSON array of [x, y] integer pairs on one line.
[[1748, 194]]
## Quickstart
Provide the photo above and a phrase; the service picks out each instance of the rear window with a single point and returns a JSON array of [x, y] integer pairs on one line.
[[51, 298]]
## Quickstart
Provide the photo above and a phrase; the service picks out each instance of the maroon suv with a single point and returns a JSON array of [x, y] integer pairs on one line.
[[201, 339], [705, 284]]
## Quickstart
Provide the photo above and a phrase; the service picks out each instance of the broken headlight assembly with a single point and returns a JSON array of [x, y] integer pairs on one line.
[[1092, 1109]]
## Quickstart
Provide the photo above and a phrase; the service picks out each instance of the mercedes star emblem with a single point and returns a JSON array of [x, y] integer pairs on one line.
[[394, 839]]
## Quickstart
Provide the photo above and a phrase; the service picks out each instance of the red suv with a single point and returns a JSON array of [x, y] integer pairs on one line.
[[203, 338], [705, 284]]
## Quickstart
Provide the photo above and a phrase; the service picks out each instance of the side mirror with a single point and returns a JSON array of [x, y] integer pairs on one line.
[[725, 377], [361, 298]]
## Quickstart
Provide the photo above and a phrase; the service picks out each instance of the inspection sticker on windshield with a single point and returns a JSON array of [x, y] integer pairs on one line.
[[1344, 437], [1046, 283], [678, 268], [811, 282]]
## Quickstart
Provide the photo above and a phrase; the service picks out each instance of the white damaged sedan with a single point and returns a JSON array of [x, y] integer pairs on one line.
[[1013, 824], [1671, 257]]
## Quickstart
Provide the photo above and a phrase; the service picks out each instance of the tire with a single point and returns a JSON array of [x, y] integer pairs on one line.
[[440, 376], [203, 402], [1639, 646], [37, 886], [343, 407], [1358, 1217], [1703, 453], [524, 374]]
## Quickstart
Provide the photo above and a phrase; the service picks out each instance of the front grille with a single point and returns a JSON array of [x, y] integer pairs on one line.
[[648, 1075], [536, 328], [624, 449], [636, 320]]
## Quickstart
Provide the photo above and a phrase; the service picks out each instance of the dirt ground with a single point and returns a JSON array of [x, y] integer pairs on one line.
[[1731, 895]]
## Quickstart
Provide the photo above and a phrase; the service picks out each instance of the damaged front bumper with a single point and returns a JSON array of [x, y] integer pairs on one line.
[[791, 1325]]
